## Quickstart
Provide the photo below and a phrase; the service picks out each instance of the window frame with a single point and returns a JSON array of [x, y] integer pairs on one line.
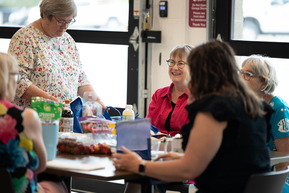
[[223, 24]]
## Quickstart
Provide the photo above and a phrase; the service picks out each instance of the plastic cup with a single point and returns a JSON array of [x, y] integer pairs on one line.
[[155, 148], [50, 137]]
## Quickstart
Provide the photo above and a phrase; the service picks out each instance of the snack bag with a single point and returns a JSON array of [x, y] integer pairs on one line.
[[46, 109], [49, 112], [95, 125]]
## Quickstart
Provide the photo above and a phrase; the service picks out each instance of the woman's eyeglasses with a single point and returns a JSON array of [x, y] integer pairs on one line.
[[171, 63], [16, 75], [248, 75], [63, 22]]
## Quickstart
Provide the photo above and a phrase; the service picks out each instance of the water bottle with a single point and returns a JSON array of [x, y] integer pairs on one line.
[[66, 121], [91, 107], [128, 113]]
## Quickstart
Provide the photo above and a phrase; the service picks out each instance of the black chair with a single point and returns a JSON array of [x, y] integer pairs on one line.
[[269, 182], [6, 181]]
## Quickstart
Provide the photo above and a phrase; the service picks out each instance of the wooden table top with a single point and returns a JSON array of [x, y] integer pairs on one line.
[[107, 173]]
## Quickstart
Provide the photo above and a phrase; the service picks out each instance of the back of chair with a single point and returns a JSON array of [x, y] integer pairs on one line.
[[269, 182], [6, 181]]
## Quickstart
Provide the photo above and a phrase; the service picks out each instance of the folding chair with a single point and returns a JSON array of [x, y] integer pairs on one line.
[[268, 182]]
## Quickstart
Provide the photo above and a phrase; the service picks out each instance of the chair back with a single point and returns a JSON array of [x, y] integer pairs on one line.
[[268, 182], [6, 181]]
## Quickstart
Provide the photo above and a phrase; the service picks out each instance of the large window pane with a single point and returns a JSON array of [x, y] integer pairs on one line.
[[109, 15], [260, 20], [106, 68], [4, 44]]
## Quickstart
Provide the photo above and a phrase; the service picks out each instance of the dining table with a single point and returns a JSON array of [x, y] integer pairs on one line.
[[277, 157], [97, 167], [100, 167]]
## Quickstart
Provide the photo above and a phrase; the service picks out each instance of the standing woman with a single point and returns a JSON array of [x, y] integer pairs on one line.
[[167, 107], [225, 140], [48, 59], [261, 77]]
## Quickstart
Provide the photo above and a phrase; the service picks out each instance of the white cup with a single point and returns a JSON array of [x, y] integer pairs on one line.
[[155, 148]]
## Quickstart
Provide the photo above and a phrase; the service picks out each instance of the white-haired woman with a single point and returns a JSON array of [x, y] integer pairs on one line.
[[48, 57], [261, 77]]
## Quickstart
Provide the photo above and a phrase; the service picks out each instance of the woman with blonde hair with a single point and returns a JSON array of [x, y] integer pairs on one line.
[[22, 151], [167, 107]]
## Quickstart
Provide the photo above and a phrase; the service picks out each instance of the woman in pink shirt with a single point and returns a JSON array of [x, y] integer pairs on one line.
[[167, 107]]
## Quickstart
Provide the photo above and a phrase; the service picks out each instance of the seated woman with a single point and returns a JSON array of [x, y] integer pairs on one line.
[[225, 140], [167, 107], [261, 77], [22, 150]]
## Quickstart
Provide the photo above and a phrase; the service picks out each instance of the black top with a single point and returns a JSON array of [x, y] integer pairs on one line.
[[168, 120], [243, 150]]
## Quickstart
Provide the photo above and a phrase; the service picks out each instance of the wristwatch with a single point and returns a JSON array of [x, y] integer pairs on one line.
[[142, 167]]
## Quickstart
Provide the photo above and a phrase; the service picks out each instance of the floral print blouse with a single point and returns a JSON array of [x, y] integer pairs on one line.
[[16, 149], [51, 64]]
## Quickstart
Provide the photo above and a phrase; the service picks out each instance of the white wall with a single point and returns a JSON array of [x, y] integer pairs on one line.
[[175, 31]]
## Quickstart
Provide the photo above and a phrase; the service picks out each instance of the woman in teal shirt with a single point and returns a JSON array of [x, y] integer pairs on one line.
[[260, 76]]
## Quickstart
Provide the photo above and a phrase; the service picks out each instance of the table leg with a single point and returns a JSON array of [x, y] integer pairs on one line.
[[67, 182], [147, 187], [139, 186]]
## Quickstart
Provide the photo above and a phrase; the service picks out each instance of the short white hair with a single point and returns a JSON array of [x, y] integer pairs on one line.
[[261, 66]]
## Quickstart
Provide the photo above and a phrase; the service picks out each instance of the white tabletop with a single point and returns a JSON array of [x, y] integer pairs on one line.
[[278, 157]]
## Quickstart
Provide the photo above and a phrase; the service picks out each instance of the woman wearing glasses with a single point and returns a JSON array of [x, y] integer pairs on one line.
[[225, 139], [47, 56], [22, 150], [167, 107], [261, 77]]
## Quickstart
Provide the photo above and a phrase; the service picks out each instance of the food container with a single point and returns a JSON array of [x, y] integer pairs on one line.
[[96, 125], [78, 144]]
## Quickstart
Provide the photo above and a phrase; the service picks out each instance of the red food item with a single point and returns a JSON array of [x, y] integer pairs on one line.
[[72, 147]]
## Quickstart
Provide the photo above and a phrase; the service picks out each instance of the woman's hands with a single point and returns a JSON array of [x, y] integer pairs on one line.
[[169, 156], [127, 160]]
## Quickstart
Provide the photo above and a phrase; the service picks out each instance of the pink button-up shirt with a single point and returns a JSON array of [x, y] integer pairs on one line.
[[160, 107]]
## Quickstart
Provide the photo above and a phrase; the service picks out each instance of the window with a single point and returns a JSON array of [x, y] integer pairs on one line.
[[109, 15], [260, 20], [231, 23]]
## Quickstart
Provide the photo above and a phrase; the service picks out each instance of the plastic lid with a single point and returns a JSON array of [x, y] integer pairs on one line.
[[128, 107], [67, 101], [89, 96]]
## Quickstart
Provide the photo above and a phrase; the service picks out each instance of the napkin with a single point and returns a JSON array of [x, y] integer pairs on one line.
[[70, 165]]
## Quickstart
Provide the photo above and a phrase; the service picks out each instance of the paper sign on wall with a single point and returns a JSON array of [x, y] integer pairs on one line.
[[198, 13]]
